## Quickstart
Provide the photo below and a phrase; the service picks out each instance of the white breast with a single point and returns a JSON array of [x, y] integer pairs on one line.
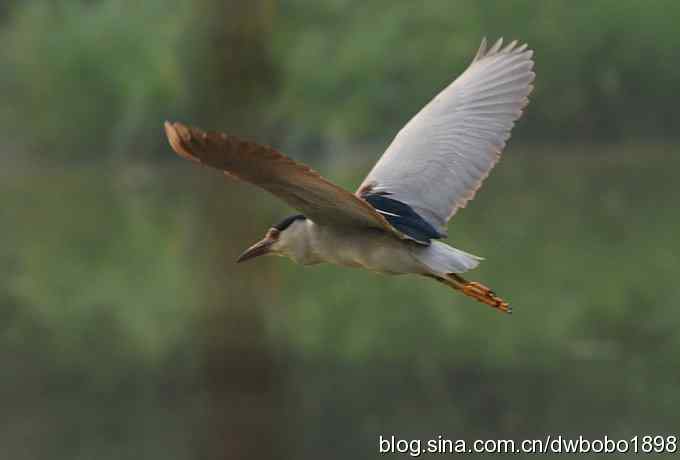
[[362, 248]]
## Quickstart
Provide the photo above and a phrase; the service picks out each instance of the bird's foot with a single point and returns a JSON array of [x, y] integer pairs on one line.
[[485, 295]]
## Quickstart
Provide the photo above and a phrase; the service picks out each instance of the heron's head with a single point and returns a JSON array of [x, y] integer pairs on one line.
[[282, 239]]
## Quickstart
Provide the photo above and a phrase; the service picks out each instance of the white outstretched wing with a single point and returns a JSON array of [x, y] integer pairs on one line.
[[439, 159]]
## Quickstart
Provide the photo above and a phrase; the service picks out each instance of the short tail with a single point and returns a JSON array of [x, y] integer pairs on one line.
[[475, 290], [440, 258]]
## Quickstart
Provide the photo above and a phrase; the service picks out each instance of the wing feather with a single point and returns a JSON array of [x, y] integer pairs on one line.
[[438, 161], [295, 183]]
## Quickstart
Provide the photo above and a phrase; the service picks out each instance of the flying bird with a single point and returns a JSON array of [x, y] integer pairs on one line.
[[394, 222]]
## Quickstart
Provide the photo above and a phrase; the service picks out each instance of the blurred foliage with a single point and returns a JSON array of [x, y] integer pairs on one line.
[[126, 330], [362, 69], [88, 78], [226, 57], [68, 244], [308, 73]]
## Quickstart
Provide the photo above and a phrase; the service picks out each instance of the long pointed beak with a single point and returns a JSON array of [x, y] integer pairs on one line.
[[258, 249]]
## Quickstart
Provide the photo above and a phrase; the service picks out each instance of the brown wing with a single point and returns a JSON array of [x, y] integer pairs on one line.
[[295, 183]]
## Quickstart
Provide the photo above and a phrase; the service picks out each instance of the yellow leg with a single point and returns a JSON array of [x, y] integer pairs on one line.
[[478, 292]]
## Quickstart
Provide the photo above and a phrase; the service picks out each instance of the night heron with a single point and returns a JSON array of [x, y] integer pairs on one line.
[[393, 222]]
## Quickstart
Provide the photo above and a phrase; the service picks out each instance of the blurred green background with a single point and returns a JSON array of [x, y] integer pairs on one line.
[[126, 330]]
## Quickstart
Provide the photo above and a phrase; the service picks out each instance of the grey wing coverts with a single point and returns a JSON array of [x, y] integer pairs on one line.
[[439, 159]]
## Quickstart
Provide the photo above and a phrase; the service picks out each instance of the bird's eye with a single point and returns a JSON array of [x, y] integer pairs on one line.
[[273, 233]]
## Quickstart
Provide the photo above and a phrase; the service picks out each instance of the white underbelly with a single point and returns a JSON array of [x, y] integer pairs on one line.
[[371, 251]]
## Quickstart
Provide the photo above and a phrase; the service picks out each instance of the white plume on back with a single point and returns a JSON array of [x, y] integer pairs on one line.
[[439, 159]]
